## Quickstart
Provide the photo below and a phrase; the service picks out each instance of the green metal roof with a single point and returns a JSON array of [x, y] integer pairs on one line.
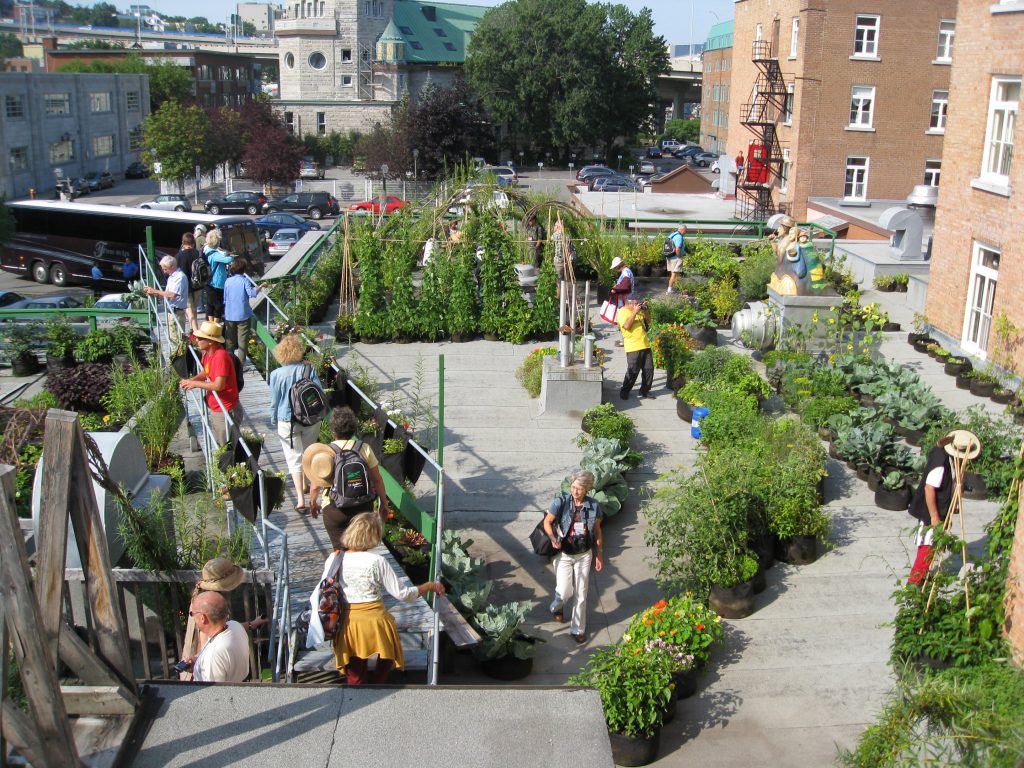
[[391, 34], [435, 32], [719, 36]]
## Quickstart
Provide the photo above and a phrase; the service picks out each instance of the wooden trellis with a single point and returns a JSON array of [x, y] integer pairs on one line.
[[97, 713]]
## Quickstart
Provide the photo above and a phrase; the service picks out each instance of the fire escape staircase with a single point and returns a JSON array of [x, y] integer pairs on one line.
[[761, 117]]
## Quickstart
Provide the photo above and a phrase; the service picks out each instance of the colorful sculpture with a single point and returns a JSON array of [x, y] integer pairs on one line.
[[798, 270]]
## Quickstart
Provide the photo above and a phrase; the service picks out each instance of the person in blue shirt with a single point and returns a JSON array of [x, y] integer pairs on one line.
[[97, 279], [219, 260], [674, 263], [238, 289], [129, 270]]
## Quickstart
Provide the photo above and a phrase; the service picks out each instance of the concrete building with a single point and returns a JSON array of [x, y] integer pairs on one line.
[[839, 98], [260, 15], [76, 123], [345, 63], [714, 113]]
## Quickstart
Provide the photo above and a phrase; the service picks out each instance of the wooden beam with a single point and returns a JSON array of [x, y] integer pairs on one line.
[[82, 661], [20, 732], [52, 544], [21, 611], [97, 700]]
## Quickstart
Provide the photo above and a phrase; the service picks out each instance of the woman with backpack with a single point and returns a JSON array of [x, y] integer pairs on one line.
[[238, 289], [186, 257], [218, 259], [295, 437]]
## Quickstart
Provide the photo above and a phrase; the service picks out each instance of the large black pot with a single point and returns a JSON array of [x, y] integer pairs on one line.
[[982, 388], [763, 548], [759, 582], [676, 382], [702, 334], [874, 480], [25, 365], [955, 369], [975, 486], [394, 463], [55, 363], [1001, 395], [686, 683], [963, 381], [507, 667], [797, 550], [461, 338], [921, 344], [635, 750], [669, 713], [684, 410], [732, 602], [894, 501]]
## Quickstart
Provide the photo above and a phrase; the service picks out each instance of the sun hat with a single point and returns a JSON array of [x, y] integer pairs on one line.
[[200, 229], [221, 575], [617, 262], [318, 464], [210, 331], [962, 444]]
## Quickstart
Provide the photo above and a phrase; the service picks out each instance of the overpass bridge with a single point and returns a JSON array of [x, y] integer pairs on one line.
[[680, 86]]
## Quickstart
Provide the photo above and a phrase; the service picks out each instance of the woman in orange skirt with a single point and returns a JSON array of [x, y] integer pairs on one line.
[[370, 630]]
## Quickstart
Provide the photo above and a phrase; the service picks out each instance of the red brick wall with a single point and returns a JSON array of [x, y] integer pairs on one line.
[[717, 71], [1015, 590]]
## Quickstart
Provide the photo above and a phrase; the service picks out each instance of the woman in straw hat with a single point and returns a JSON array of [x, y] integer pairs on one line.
[[318, 466], [932, 498], [369, 629], [217, 376]]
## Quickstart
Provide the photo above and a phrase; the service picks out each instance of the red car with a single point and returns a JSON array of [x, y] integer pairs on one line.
[[373, 205]]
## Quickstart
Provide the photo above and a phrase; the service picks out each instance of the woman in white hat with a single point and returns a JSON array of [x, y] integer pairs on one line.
[[622, 291], [217, 376]]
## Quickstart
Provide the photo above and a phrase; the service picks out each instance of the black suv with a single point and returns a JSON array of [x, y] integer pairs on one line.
[[313, 204], [237, 202]]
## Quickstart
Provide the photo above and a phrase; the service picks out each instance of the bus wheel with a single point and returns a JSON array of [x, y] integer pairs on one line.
[[40, 273], [59, 275]]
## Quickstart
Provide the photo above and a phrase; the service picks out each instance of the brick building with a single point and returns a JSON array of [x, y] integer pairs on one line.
[[714, 113], [860, 107]]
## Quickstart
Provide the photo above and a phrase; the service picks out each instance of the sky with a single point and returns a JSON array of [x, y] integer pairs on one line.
[[671, 17]]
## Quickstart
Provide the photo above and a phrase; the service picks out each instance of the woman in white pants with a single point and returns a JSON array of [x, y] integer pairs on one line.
[[573, 523]]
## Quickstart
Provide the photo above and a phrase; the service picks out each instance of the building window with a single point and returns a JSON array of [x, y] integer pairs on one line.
[[102, 146], [759, 32], [289, 60], [19, 158], [401, 81], [321, 123], [62, 151], [416, 45], [131, 100], [57, 103], [856, 187], [346, 55], [794, 37], [346, 80], [947, 31], [449, 46], [865, 36], [978, 318], [787, 107], [14, 106], [289, 121], [99, 102], [940, 106], [862, 106], [784, 171], [317, 60], [1002, 118], [932, 171]]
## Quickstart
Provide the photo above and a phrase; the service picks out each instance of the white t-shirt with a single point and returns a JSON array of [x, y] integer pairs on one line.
[[224, 658], [365, 573]]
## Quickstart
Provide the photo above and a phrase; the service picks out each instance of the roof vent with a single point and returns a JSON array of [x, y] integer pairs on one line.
[[429, 13]]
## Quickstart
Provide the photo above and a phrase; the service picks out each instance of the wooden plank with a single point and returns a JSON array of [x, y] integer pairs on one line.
[[143, 633], [458, 629], [82, 661], [142, 576], [21, 611], [5, 649], [51, 546], [21, 733], [101, 740], [99, 583], [97, 700]]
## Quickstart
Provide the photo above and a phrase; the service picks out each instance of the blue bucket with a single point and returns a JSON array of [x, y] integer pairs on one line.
[[699, 413]]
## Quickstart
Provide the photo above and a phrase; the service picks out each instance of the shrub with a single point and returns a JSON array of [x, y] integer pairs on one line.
[[635, 688], [80, 388], [603, 421], [97, 345], [724, 299], [816, 411], [529, 372], [755, 271]]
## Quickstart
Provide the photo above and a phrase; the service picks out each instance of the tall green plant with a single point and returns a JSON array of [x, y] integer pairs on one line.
[[371, 318], [463, 315], [544, 315], [434, 296], [497, 276]]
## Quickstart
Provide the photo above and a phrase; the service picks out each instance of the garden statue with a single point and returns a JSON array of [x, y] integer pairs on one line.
[[798, 270]]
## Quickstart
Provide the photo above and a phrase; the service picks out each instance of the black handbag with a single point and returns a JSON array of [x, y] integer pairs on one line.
[[541, 542]]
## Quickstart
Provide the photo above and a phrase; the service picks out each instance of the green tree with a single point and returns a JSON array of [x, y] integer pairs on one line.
[[176, 136], [445, 125], [167, 80], [683, 130], [10, 46]]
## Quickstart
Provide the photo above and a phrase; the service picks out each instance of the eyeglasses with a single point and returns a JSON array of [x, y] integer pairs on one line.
[[193, 614]]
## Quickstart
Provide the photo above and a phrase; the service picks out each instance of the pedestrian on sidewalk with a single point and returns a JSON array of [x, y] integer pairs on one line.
[[186, 256], [219, 260], [674, 263], [573, 523], [622, 291], [217, 378], [225, 654], [238, 289], [633, 320]]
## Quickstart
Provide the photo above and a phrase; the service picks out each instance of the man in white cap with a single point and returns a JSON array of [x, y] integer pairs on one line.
[[217, 378], [674, 263], [200, 234]]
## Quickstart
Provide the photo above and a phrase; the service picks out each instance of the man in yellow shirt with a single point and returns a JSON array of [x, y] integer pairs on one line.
[[633, 320]]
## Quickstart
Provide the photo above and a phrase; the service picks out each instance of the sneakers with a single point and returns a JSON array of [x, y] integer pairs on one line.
[[670, 290], [579, 638], [623, 395]]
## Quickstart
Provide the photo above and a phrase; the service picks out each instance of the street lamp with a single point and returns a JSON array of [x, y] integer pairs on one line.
[[520, 158], [415, 157], [620, 163]]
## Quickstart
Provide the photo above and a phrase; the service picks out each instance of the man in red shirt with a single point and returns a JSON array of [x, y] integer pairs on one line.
[[218, 375]]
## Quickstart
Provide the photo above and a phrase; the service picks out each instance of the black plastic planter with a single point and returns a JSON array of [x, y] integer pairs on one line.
[[507, 667], [955, 369], [1001, 396], [732, 602], [684, 410], [685, 682], [963, 381], [982, 388], [894, 501], [797, 550], [25, 365], [635, 750], [55, 363]]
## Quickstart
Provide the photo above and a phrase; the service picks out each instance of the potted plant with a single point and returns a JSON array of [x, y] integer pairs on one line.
[[635, 691], [254, 440], [983, 384], [956, 364], [393, 456], [920, 332], [883, 283], [20, 339], [344, 328], [60, 353], [893, 493], [505, 651], [604, 421], [964, 378], [732, 594], [98, 346]]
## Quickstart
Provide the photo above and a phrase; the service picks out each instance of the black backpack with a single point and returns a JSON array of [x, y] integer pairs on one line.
[[239, 376], [668, 248], [308, 401], [332, 608], [352, 486], [199, 272]]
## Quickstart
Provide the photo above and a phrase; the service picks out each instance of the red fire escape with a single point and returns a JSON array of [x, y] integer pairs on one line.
[[763, 162]]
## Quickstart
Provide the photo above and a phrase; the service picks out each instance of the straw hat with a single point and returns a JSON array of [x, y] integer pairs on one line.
[[221, 575], [962, 444], [617, 262], [318, 464], [210, 331]]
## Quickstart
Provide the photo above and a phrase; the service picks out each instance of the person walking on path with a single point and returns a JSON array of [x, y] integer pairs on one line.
[[225, 654], [573, 523], [238, 289], [217, 377], [674, 263], [187, 254], [295, 438], [219, 260], [633, 320], [622, 291]]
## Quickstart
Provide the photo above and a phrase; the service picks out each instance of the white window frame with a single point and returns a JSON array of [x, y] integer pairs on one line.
[[856, 188], [794, 37], [346, 81], [100, 101], [103, 145], [787, 105], [939, 112], [978, 312], [57, 104], [1002, 119], [862, 107], [19, 159], [932, 172], [321, 123], [759, 32], [947, 34], [865, 35], [61, 151], [784, 170]]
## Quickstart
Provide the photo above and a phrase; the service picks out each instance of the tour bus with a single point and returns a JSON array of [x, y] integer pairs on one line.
[[59, 242]]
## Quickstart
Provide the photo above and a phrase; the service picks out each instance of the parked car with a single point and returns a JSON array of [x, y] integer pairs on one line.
[[592, 182], [703, 159], [714, 167], [647, 180], [506, 175], [499, 200], [136, 170], [646, 166], [372, 205], [615, 184], [77, 187], [670, 144], [9, 297], [310, 169], [283, 240], [587, 172], [316, 205], [684, 152], [653, 152], [237, 202], [99, 180], [272, 222], [48, 302], [168, 203]]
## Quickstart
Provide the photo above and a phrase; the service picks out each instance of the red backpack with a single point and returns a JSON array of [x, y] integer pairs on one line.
[[332, 608]]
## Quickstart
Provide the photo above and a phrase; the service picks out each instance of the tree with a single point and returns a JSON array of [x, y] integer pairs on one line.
[[271, 154], [10, 46], [176, 137], [226, 139], [565, 72], [683, 130], [445, 124], [167, 80]]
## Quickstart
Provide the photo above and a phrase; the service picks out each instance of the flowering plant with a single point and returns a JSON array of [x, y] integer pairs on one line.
[[671, 346], [683, 626]]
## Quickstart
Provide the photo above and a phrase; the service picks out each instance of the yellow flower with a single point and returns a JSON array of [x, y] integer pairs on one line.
[[106, 419], [831, 321]]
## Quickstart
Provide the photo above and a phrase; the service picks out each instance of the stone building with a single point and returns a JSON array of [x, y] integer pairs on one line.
[[260, 15], [857, 105], [346, 63], [69, 124], [714, 113]]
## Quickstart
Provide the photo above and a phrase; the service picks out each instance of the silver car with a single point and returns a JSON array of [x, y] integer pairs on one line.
[[282, 241], [168, 203]]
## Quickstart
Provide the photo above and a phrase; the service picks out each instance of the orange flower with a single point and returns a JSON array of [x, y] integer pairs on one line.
[[662, 633], [661, 604], [673, 631], [700, 627], [648, 622]]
